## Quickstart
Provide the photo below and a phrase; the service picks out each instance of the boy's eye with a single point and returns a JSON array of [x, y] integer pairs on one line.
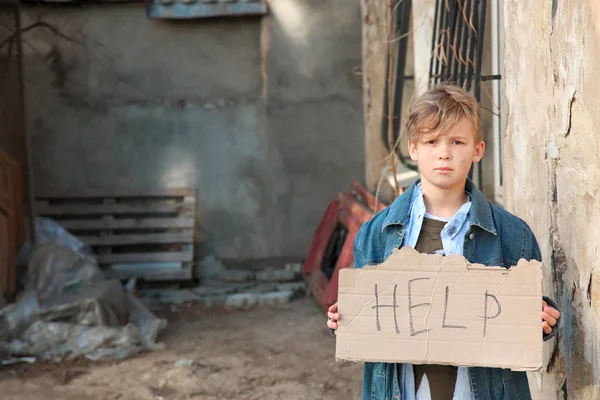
[[432, 141], [458, 142]]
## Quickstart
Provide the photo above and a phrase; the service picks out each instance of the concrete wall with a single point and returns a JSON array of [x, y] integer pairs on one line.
[[552, 178], [314, 109], [263, 116]]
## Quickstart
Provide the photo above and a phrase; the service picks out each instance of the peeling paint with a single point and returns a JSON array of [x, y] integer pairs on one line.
[[551, 92]]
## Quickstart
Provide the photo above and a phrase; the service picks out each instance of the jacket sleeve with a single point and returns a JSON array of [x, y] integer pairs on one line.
[[369, 244], [367, 240]]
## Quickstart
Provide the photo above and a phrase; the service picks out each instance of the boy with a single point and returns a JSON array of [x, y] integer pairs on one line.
[[445, 213]]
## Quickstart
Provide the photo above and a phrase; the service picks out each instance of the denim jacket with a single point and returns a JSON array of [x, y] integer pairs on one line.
[[492, 237]]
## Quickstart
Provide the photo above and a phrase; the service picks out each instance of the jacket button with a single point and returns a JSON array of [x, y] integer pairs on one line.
[[472, 236]]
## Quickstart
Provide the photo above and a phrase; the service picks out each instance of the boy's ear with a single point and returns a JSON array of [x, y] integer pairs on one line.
[[412, 150], [478, 151]]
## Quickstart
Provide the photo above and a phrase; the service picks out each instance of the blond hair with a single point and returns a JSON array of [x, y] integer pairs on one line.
[[439, 109]]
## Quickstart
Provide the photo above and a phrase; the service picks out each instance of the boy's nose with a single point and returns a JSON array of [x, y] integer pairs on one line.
[[444, 154]]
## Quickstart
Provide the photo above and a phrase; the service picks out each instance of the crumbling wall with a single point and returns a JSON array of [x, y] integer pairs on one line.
[[262, 115], [374, 58], [552, 179]]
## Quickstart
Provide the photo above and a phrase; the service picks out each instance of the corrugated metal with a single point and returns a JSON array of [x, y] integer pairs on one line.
[[188, 9]]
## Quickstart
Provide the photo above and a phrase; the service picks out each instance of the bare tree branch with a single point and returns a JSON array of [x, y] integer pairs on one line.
[[39, 24]]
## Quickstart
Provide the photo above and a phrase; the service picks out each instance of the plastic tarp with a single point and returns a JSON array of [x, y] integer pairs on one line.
[[68, 309]]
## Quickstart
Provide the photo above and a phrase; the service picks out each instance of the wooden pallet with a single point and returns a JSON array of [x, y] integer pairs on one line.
[[140, 234]]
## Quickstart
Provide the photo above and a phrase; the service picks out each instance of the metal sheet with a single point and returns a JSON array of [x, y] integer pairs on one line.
[[165, 9]]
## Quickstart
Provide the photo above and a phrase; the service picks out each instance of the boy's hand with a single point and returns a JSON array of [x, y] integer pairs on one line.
[[549, 317], [333, 316]]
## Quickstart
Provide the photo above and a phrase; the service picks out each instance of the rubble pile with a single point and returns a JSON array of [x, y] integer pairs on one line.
[[234, 288]]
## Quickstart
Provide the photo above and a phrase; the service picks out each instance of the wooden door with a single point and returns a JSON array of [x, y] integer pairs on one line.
[[13, 210], [5, 257]]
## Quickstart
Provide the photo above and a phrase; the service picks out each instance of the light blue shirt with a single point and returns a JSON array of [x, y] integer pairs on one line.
[[453, 238]]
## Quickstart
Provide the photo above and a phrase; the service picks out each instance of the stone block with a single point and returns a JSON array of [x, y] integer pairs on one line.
[[275, 298], [240, 300], [294, 267], [236, 275], [221, 288], [296, 287], [168, 296], [276, 275], [209, 268], [213, 301], [264, 287]]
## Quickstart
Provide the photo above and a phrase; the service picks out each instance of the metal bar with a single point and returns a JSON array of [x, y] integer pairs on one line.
[[452, 43], [496, 118], [496, 77], [386, 111], [480, 39], [472, 48], [444, 41], [448, 39], [468, 7], [470, 57], [460, 27], [439, 42], [436, 27], [402, 23]]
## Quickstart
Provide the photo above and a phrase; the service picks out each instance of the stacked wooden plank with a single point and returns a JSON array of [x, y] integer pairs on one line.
[[141, 234], [12, 222]]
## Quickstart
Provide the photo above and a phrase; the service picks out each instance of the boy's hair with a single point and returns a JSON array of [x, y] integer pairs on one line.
[[441, 107]]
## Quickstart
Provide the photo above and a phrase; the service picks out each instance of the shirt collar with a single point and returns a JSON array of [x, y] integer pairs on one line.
[[480, 211]]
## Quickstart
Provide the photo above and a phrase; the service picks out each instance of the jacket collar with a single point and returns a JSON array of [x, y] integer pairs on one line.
[[480, 215]]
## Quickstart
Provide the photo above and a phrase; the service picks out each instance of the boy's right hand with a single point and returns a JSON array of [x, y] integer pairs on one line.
[[334, 317]]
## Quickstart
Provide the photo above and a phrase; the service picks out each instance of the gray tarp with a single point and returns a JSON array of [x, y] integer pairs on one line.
[[68, 309]]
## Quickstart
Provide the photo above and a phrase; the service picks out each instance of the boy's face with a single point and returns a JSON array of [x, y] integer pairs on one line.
[[445, 158]]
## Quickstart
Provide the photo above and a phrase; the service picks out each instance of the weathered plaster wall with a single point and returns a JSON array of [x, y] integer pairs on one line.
[[374, 59], [552, 110], [374, 65], [261, 115]]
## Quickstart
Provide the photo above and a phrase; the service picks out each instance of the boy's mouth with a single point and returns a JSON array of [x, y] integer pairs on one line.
[[444, 170]]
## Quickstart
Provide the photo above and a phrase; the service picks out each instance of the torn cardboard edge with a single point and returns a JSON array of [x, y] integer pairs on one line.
[[430, 309]]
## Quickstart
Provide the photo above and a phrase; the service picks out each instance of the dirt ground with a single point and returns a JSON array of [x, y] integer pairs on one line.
[[263, 353]]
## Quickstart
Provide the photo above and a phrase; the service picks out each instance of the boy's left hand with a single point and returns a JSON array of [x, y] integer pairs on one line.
[[549, 317]]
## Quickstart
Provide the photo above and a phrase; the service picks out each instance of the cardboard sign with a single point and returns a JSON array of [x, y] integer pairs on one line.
[[429, 309]]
